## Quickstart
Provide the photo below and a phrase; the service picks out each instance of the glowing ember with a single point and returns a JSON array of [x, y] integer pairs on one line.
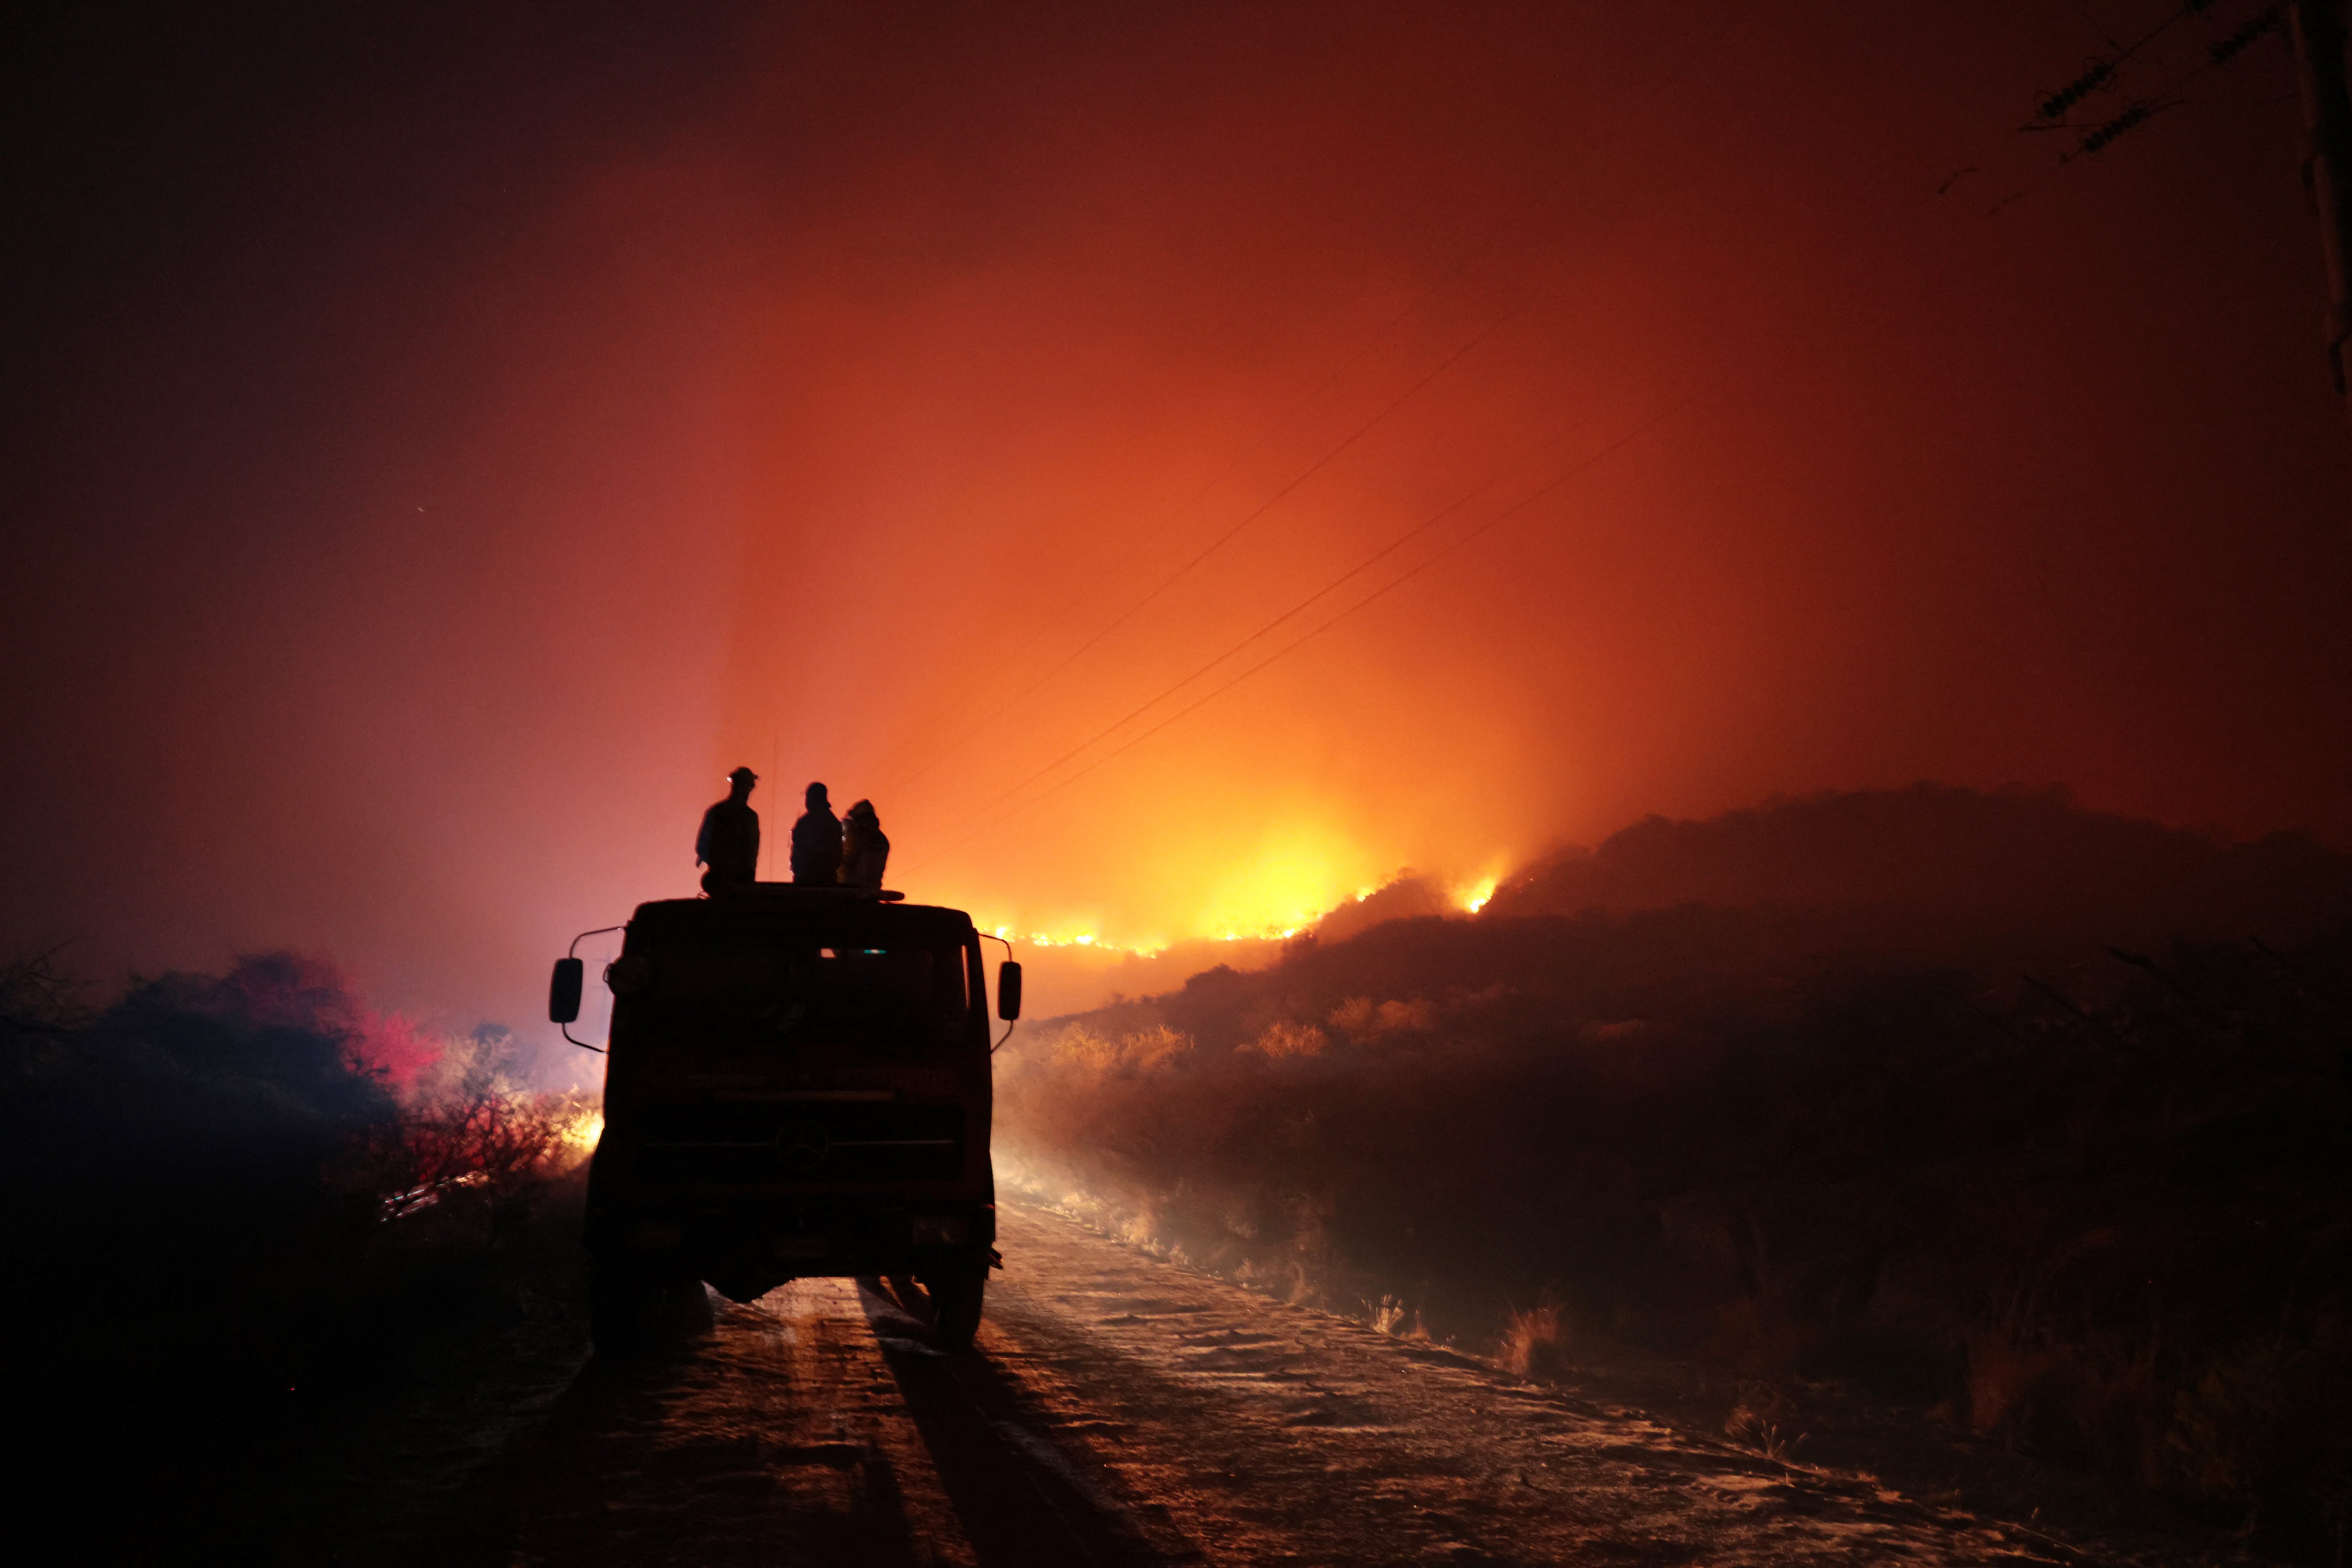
[[1148, 948], [1290, 891]]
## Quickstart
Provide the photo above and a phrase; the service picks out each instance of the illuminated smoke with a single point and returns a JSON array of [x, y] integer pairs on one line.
[[411, 532]]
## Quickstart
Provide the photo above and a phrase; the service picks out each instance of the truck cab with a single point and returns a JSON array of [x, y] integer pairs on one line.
[[798, 1086]]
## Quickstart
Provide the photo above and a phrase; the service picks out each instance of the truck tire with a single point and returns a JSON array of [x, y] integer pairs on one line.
[[621, 1306], [957, 1295], [632, 1310]]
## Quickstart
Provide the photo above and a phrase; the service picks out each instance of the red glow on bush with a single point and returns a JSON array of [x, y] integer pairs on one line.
[[299, 991]]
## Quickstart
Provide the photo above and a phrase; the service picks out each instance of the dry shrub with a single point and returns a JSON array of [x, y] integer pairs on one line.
[[1080, 1046], [1157, 1047], [1288, 1039], [472, 1137], [1754, 1426], [2115, 1408], [1415, 1016], [2222, 1423], [485, 1151], [39, 997], [1535, 1341], [2265, 1423], [2047, 1374], [2003, 1380], [1396, 1320], [2013, 1355], [1137, 1051], [1364, 1021]]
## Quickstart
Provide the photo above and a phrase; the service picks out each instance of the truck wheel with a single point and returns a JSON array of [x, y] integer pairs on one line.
[[686, 1309], [621, 1306], [630, 1310], [956, 1298]]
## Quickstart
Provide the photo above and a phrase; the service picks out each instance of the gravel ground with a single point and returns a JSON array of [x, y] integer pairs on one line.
[[1123, 1410]]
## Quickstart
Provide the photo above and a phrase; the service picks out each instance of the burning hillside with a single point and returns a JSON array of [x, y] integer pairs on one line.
[[2083, 1200]]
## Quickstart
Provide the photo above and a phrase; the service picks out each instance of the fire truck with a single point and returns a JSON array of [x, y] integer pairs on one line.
[[798, 1085]]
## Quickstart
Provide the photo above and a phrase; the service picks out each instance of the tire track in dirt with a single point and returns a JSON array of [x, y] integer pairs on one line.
[[1122, 1411], [773, 1436], [817, 1425], [1277, 1435]]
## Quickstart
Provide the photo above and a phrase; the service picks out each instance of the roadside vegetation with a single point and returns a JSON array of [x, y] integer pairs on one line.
[[244, 1218], [2085, 1197]]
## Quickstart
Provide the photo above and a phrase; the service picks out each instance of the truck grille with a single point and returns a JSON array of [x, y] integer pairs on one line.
[[747, 1145]]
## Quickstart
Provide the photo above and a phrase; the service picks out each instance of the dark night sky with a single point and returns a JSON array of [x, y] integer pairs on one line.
[[441, 442]]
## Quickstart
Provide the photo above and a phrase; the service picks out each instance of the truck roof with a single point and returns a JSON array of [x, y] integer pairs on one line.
[[792, 903]]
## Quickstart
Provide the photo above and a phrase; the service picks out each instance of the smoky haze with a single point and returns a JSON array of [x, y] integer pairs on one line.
[[443, 443]]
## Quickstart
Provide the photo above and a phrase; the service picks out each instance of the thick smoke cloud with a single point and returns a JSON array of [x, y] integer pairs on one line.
[[442, 445]]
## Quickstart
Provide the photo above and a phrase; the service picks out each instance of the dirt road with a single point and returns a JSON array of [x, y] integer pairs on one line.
[[1119, 1410]]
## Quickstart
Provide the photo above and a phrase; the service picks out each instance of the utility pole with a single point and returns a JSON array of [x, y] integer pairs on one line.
[[2318, 28]]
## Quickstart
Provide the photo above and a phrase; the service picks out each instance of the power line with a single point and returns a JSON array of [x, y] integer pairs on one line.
[[1165, 522], [1517, 507], [1162, 696], [2103, 71], [1131, 717], [2139, 112], [1225, 538], [1166, 693], [1516, 219], [2219, 53], [2108, 72]]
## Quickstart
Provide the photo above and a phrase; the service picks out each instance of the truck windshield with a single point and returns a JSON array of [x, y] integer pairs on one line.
[[753, 988]]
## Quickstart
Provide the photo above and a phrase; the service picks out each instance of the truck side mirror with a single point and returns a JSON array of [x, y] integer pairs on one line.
[[1008, 991], [563, 991]]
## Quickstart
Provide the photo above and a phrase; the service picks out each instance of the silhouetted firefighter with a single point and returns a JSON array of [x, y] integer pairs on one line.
[[816, 840], [730, 840], [863, 850]]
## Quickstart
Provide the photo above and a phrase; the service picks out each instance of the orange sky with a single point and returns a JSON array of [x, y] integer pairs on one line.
[[442, 453]]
